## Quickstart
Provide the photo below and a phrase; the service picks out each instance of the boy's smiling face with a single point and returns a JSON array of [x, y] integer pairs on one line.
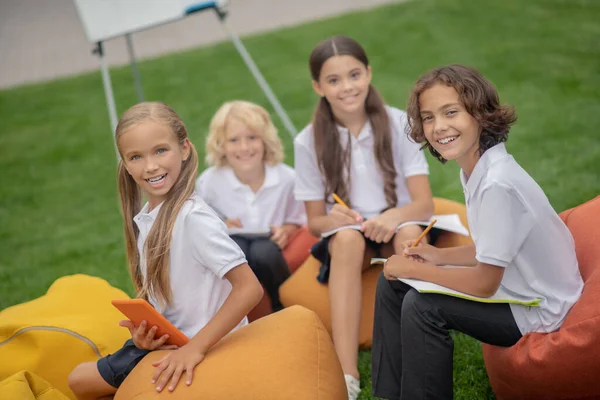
[[448, 127], [244, 149]]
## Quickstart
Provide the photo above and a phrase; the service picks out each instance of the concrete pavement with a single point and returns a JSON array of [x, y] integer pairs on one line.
[[44, 39]]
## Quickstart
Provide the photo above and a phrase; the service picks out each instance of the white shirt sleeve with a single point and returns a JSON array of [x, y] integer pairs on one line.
[[503, 225], [202, 185], [294, 210], [209, 242], [309, 181], [412, 157]]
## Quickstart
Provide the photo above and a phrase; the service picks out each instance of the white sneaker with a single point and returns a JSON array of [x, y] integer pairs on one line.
[[352, 386]]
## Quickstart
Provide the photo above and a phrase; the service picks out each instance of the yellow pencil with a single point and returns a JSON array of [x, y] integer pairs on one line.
[[339, 200], [422, 235]]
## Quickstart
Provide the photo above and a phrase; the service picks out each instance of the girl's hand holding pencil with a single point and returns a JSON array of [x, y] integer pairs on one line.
[[343, 215]]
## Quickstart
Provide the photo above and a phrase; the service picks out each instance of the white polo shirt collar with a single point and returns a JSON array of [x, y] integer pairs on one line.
[[488, 158], [146, 217], [365, 133], [271, 178]]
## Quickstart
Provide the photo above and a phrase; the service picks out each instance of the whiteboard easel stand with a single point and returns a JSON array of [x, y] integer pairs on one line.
[[136, 72], [108, 92], [256, 72], [222, 15]]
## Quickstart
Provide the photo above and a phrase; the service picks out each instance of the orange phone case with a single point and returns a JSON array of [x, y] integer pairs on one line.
[[138, 310]]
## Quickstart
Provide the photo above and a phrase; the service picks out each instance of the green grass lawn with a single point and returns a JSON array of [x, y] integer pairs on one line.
[[59, 210]]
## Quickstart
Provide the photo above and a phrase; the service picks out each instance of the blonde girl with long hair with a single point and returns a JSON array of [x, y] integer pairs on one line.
[[181, 258]]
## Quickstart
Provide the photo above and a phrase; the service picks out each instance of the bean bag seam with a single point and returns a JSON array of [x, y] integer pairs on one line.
[[69, 332], [315, 322]]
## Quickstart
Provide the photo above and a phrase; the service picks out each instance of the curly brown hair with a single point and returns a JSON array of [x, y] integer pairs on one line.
[[479, 98]]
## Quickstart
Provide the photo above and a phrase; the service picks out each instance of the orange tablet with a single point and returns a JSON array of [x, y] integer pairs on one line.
[[138, 310]]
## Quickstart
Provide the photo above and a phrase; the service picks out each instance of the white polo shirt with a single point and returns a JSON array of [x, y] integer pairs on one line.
[[272, 204], [514, 226], [366, 181], [201, 254]]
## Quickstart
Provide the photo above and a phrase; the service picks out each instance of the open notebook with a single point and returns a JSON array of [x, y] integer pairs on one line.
[[447, 222], [501, 295]]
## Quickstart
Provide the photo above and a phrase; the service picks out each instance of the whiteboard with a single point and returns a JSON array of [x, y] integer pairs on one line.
[[107, 19]]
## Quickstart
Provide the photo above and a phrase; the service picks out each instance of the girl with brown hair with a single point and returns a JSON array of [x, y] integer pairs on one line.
[[356, 148]]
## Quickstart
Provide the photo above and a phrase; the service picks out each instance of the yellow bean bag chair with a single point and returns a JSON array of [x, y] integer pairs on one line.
[[27, 386], [302, 288], [285, 355], [72, 323]]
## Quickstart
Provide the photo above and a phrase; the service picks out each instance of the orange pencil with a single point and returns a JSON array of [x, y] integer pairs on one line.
[[422, 235], [339, 200]]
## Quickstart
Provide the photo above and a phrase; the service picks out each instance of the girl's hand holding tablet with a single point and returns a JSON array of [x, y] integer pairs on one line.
[[144, 338]]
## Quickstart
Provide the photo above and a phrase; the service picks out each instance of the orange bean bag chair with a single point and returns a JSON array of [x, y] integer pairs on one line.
[[564, 364], [295, 253], [303, 289], [286, 355]]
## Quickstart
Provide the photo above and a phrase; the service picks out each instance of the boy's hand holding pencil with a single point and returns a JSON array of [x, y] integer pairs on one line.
[[421, 236], [420, 252]]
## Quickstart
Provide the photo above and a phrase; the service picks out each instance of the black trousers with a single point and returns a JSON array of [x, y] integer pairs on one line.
[[412, 356], [268, 264]]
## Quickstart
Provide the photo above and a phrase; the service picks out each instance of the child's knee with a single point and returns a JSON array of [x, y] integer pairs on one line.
[[86, 382], [409, 232], [347, 240], [417, 304], [77, 378]]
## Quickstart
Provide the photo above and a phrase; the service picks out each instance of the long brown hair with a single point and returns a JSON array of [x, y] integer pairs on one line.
[[476, 93], [158, 243], [333, 161]]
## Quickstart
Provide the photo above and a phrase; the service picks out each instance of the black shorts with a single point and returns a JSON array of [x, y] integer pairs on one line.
[[115, 367], [320, 251]]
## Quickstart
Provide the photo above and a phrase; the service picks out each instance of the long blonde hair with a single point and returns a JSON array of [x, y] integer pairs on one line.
[[255, 118], [158, 243]]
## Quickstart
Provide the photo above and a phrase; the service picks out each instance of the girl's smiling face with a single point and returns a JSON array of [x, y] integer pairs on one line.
[[448, 127], [153, 157], [344, 81]]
